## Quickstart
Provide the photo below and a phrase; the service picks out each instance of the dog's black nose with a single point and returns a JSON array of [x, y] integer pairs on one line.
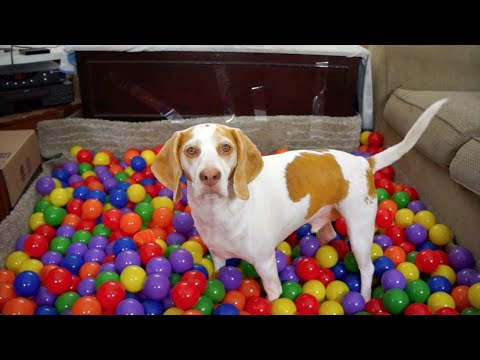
[[210, 176]]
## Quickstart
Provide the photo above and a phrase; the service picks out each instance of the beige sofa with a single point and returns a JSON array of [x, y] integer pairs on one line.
[[444, 166]]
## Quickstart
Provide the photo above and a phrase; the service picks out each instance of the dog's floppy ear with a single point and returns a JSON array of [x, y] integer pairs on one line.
[[249, 164], [166, 165]]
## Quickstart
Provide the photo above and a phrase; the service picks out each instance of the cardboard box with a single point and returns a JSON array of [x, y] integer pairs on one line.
[[19, 160]]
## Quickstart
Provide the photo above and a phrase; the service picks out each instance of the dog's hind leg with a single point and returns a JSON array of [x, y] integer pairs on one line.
[[267, 270]]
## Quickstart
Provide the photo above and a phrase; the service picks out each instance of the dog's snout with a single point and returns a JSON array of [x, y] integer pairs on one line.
[[210, 176]]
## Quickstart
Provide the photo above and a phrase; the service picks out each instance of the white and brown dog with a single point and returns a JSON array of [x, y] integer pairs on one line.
[[244, 204]]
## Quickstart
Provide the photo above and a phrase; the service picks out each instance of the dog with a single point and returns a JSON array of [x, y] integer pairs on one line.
[[244, 204]]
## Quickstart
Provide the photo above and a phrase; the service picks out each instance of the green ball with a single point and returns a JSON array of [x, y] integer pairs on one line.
[[208, 256], [291, 290], [296, 252], [174, 278], [411, 256], [60, 244], [54, 215], [121, 176], [382, 194], [82, 167], [82, 236], [171, 248], [101, 230], [363, 313], [175, 212], [470, 311], [41, 206], [215, 290], [418, 291], [204, 305], [147, 198], [105, 276], [401, 198], [351, 263], [248, 270], [65, 301], [145, 210], [378, 292], [395, 301]]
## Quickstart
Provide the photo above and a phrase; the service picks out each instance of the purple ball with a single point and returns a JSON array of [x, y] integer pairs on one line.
[[183, 222], [184, 199], [416, 206], [353, 302], [109, 248], [289, 274], [393, 279], [181, 260], [383, 241], [44, 297], [45, 185], [77, 248], [74, 178], [51, 257], [127, 258], [158, 265], [129, 307], [126, 210], [167, 301], [309, 245], [297, 260], [156, 286], [193, 232], [94, 255], [416, 234], [175, 238], [100, 170], [110, 266], [70, 167], [166, 192], [110, 183], [460, 258], [281, 259], [98, 242], [466, 277], [20, 242], [230, 277], [86, 287], [66, 231]]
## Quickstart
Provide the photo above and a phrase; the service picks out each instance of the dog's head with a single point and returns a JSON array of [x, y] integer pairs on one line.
[[211, 156]]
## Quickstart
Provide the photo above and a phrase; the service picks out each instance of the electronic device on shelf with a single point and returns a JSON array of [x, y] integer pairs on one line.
[[19, 76]]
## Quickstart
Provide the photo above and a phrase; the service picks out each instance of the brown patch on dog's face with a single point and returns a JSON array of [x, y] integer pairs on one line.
[[317, 175]]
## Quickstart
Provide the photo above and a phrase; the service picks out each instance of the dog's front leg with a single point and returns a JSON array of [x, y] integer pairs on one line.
[[267, 269]]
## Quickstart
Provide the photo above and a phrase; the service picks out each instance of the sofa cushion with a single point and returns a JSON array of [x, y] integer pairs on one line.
[[456, 123], [465, 166]]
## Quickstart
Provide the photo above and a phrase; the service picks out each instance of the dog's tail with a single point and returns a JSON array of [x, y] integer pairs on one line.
[[393, 153]]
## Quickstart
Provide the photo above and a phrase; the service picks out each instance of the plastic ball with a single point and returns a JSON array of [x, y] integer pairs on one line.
[[226, 309], [45, 185], [383, 218], [66, 300], [130, 223], [7, 276], [59, 197], [395, 301], [258, 306], [439, 283], [215, 290], [285, 248], [396, 254], [318, 290], [352, 303], [35, 245], [308, 268], [427, 261], [309, 245], [375, 139], [45, 310], [440, 234], [185, 295], [19, 306], [401, 198], [331, 307], [15, 260], [417, 309], [33, 265], [460, 296], [129, 307], [283, 306], [439, 300], [27, 284], [445, 271], [364, 137], [105, 276], [461, 258], [383, 241], [307, 305], [133, 278], [425, 218], [230, 277], [382, 194], [7, 292], [326, 256], [416, 234], [409, 271], [474, 296], [88, 305], [467, 277], [416, 206], [336, 290], [381, 265], [404, 217], [393, 279]]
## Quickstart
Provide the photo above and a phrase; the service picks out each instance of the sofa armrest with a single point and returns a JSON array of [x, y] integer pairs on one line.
[[422, 67]]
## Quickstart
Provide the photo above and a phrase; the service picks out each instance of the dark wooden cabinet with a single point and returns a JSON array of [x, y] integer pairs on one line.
[[153, 85]]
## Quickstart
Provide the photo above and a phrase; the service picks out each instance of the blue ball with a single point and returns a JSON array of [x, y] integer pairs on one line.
[[381, 265], [148, 181], [226, 309], [439, 283], [81, 192], [152, 307], [339, 270], [426, 245], [72, 263], [122, 244], [352, 281], [45, 310], [97, 194], [60, 174], [183, 178], [123, 186], [138, 163], [26, 284], [118, 198], [200, 268], [303, 230], [233, 262]]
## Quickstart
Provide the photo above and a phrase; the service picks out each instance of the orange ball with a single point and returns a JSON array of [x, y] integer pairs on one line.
[[130, 223], [45, 270], [19, 306], [71, 220], [396, 254], [460, 296], [87, 305], [192, 312], [115, 168], [159, 233], [95, 185], [89, 269], [144, 237], [7, 276], [388, 205], [130, 154], [236, 298], [188, 209], [7, 292], [162, 217], [249, 288], [92, 209]]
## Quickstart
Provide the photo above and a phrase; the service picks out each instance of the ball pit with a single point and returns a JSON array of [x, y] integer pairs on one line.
[[106, 238]]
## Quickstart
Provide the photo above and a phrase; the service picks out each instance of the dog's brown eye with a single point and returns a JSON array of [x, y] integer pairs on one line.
[[226, 148], [191, 151]]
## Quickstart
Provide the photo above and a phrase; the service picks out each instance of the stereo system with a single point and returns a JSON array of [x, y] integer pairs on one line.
[[27, 87]]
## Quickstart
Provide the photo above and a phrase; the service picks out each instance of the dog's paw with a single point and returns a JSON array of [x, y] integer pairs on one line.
[[274, 293]]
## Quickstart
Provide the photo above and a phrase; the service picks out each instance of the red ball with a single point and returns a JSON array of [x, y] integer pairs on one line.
[[111, 218], [74, 206], [197, 278], [375, 307], [116, 234], [84, 155], [307, 269], [427, 261], [443, 256], [387, 172], [75, 282], [386, 184], [58, 280], [384, 218], [257, 305], [375, 139], [325, 276], [148, 172], [341, 226], [407, 246], [157, 149], [35, 245], [86, 224], [185, 295], [446, 311], [341, 246], [151, 190], [307, 305], [396, 234], [109, 258], [110, 294], [417, 309], [178, 206], [47, 231], [137, 177], [149, 251], [411, 192], [292, 240]]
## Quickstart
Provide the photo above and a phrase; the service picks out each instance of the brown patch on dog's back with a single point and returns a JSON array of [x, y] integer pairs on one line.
[[317, 175], [370, 184]]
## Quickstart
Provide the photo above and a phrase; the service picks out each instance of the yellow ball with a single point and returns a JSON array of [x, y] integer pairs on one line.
[[148, 156], [331, 307], [31, 265], [35, 220], [474, 295], [404, 217], [194, 248], [162, 244], [439, 234], [315, 288], [409, 271], [136, 193], [57, 183], [75, 149], [101, 158], [364, 137], [69, 191], [173, 311], [376, 251], [445, 271], [439, 300], [129, 171], [425, 218], [59, 197], [326, 256], [208, 264], [285, 248], [88, 173], [162, 201], [133, 278], [15, 261], [107, 206], [336, 290], [283, 306]]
